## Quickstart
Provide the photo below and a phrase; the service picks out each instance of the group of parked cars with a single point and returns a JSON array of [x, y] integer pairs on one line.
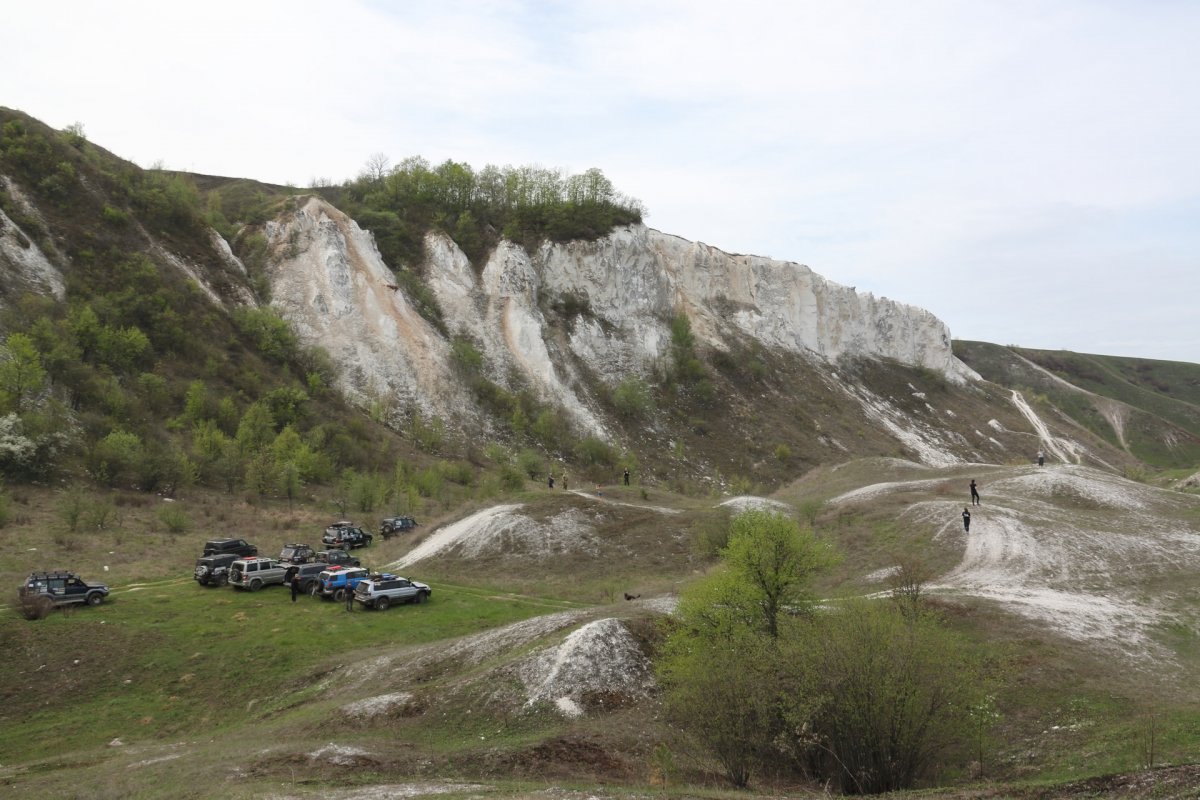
[[329, 574]]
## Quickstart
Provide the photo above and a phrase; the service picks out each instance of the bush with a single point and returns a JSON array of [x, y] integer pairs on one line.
[[632, 398], [511, 479], [174, 518], [530, 462], [594, 452]]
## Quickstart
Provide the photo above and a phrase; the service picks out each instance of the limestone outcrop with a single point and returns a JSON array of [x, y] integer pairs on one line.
[[328, 278]]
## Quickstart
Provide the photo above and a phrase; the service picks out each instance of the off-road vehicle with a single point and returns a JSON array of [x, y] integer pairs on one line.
[[334, 582], [394, 525], [297, 554], [308, 574], [338, 558], [239, 547], [44, 590], [255, 573], [214, 570], [346, 537], [381, 591]]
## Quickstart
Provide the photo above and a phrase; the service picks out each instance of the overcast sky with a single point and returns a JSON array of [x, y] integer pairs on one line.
[[1027, 171]]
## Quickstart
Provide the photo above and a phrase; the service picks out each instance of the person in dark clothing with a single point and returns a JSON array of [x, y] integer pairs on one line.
[[295, 586], [966, 520], [349, 597], [550, 480], [627, 476], [974, 494], [1041, 459]]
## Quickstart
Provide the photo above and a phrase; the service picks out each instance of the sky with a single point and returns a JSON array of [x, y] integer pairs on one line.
[[1029, 172]]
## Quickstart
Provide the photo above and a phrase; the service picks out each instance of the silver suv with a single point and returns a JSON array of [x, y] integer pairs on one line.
[[382, 591], [255, 573]]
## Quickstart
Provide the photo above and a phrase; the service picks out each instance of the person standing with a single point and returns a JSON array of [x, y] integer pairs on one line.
[[974, 493], [627, 476], [349, 591], [564, 480], [1041, 459], [295, 585], [550, 480], [966, 520]]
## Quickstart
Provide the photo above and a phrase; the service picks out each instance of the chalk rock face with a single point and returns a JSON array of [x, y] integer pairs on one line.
[[329, 279], [23, 265], [636, 278]]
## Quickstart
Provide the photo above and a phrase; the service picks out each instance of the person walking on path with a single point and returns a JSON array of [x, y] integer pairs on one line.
[[295, 586], [974, 494], [627, 476], [1041, 459], [966, 520]]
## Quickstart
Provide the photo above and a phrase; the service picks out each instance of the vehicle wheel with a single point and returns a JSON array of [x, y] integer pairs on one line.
[[420, 598], [203, 582], [95, 599], [382, 604], [255, 585], [223, 581], [339, 595], [315, 589]]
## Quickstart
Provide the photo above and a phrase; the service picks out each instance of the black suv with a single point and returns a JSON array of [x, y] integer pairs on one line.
[[44, 590], [308, 574], [214, 570], [393, 525], [296, 554], [239, 547], [345, 537], [337, 558]]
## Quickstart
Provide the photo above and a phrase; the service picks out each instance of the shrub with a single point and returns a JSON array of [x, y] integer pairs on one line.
[[632, 398], [594, 452], [174, 518], [511, 479], [530, 462]]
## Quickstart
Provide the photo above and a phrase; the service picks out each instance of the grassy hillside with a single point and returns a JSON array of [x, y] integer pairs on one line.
[[1156, 413], [218, 690]]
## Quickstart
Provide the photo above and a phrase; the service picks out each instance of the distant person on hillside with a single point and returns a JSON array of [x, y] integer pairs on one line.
[[1041, 459], [974, 493], [550, 480], [627, 476], [564, 480], [966, 520]]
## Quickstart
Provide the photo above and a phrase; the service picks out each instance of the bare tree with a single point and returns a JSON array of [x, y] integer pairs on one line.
[[376, 168]]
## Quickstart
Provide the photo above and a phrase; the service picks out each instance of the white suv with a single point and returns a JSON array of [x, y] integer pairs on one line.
[[382, 591], [255, 573]]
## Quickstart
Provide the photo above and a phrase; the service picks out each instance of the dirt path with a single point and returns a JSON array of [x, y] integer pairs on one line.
[[1070, 547]]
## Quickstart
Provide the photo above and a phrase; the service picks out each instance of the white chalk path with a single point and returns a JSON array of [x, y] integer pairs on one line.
[[1066, 546]]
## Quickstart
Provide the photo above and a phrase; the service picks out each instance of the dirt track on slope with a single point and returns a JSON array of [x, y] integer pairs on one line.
[[1068, 547]]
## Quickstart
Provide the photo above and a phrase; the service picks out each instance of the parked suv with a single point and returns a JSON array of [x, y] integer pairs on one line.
[[44, 590], [238, 547], [308, 574], [214, 570], [334, 582], [393, 525], [255, 573], [346, 537], [337, 558], [297, 554], [382, 591]]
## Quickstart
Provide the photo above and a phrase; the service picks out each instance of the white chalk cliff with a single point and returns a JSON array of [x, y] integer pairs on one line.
[[328, 278]]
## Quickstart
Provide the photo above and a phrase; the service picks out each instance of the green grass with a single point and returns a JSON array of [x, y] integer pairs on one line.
[[162, 661]]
